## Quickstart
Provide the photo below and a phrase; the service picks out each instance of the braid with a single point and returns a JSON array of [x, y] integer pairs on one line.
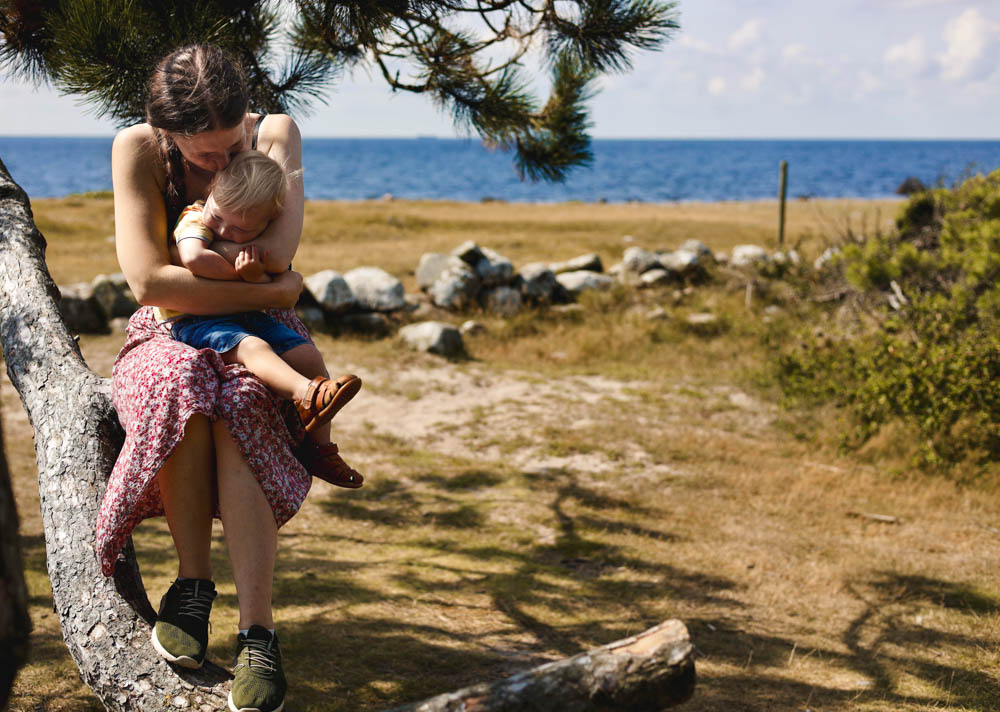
[[175, 189]]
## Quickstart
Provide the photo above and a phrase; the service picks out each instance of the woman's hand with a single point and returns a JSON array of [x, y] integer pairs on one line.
[[287, 286]]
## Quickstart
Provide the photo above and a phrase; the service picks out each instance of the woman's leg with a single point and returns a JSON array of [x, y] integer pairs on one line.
[[251, 532], [186, 488]]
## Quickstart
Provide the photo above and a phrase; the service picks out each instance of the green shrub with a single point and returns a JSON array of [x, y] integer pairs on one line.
[[933, 360]]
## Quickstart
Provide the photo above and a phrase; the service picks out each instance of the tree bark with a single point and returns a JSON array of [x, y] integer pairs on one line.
[[15, 626], [646, 673], [105, 621]]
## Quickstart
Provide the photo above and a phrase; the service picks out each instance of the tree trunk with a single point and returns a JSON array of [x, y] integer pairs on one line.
[[646, 673], [14, 622], [106, 621]]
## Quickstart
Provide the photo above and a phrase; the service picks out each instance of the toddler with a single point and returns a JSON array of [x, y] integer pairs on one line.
[[245, 196]]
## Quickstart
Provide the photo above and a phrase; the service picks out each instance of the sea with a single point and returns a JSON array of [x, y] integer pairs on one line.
[[654, 171]]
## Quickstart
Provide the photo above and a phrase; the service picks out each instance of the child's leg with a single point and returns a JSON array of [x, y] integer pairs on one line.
[[261, 361], [308, 361]]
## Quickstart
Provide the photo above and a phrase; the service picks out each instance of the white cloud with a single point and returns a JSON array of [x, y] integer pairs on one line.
[[717, 86], [752, 81], [909, 57], [793, 52], [967, 37], [696, 44], [747, 35], [867, 84]]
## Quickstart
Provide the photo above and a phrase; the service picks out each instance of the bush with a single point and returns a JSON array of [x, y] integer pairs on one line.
[[933, 360]]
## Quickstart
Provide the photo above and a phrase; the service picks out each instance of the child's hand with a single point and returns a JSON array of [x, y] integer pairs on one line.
[[250, 267]]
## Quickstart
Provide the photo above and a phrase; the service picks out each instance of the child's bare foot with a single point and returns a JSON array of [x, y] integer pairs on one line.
[[322, 460], [322, 399]]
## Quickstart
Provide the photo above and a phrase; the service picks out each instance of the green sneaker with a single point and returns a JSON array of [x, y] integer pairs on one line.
[[258, 680], [180, 635]]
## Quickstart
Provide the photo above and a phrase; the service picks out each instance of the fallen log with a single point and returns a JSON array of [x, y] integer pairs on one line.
[[645, 673]]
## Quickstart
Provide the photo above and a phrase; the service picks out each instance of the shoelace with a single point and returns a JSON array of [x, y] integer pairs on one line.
[[260, 656], [198, 606]]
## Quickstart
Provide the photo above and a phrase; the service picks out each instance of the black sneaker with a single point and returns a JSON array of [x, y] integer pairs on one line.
[[258, 680], [180, 635]]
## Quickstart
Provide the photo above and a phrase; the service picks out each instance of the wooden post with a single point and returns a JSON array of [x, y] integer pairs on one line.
[[782, 187]]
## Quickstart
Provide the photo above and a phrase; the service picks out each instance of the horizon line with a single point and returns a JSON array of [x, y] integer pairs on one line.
[[593, 138]]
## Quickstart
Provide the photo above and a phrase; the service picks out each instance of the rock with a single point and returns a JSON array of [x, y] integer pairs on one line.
[[790, 257], [370, 323], [456, 286], [114, 295], [655, 278], [503, 301], [494, 269], [587, 263], [910, 186], [639, 260], [430, 268], [575, 283], [434, 337], [702, 319], [537, 283], [681, 263], [472, 328], [698, 247], [375, 289], [657, 314], [826, 258], [747, 255], [721, 258], [568, 309], [80, 309], [312, 316], [469, 252], [331, 291]]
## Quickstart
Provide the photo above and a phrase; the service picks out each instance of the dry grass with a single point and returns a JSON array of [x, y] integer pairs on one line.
[[576, 481]]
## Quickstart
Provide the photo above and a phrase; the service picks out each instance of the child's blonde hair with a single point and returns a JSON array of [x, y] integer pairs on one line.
[[251, 181]]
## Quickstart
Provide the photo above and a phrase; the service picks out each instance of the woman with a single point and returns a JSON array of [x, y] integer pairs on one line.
[[203, 438]]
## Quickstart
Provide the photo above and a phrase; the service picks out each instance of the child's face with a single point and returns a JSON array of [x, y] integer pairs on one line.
[[233, 225]]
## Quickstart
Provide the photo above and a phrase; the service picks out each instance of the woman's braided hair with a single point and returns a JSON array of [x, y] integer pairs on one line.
[[195, 88]]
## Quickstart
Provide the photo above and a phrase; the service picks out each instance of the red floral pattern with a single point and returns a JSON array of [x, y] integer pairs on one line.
[[157, 385]]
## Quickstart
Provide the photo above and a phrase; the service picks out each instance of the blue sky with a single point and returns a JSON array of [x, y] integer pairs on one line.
[[737, 68]]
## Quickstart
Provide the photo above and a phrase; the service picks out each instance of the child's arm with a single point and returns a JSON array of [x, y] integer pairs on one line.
[[195, 254]]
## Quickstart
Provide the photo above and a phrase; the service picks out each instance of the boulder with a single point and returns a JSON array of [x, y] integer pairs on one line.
[[910, 186], [575, 283], [826, 258], [639, 260], [433, 337], [114, 295], [331, 291], [537, 283], [681, 263], [583, 263], [375, 289], [698, 247], [430, 268], [747, 255], [472, 328], [655, 278], [790, 257], [456, 286], [494, 269], [370, 323], [80, 309], [503, 301], [469, 252]]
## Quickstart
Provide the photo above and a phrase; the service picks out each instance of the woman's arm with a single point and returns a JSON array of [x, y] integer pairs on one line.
[[141, 242], [279, 138]]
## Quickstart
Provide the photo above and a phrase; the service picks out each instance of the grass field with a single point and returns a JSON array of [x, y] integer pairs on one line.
[[579, 479]]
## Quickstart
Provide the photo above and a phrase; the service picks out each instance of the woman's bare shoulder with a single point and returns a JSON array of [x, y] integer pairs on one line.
[[138, 141], [277, 129], [135, 156]]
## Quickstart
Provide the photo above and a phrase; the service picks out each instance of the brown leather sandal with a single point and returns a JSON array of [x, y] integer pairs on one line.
[[323, 398], [324, 462]]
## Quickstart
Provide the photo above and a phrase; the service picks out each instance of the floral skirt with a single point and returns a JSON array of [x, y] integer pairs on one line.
[[157, 385]]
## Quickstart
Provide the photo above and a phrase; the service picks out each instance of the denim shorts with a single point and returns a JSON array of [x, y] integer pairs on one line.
[[223, 333]]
